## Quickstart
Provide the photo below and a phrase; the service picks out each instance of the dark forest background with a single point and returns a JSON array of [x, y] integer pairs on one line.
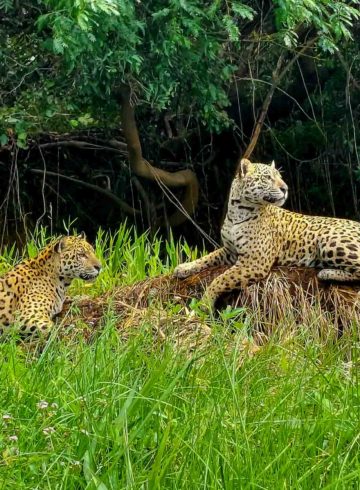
[[140, 110]]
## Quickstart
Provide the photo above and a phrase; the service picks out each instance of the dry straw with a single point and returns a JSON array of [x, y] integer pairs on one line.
[[288, 300]]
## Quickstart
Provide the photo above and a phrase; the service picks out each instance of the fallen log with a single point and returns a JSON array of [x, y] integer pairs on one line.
[[287, 298]]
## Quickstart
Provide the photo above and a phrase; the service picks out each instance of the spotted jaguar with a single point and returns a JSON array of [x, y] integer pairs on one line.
[[33, 292], [258, 233]]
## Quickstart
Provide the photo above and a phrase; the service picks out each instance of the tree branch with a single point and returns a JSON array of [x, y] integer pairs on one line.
[[84, 145], [142, 168], [348, 71], [277, 75], [122, 205]]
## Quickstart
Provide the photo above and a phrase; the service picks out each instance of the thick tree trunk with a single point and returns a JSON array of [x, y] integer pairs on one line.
[[142, 168]]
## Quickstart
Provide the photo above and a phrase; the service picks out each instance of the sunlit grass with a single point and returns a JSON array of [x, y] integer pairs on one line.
[[115, 414], [126, 257]]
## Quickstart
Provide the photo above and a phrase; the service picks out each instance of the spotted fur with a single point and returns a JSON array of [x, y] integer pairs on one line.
[[33, 292], [257, 234]]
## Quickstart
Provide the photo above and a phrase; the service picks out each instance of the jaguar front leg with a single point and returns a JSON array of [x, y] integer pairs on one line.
[[222, 256], [237, 277], [33, 316], [35, 328]]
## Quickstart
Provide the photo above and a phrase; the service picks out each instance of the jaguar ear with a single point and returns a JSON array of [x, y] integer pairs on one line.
[[273, 164], [82, 235], [245, 166], [59, 245]]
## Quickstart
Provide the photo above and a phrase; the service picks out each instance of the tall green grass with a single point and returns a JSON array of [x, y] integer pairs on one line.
[[126, 256], [140, 414]]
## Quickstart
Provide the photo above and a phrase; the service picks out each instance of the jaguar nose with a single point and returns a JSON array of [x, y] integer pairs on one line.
[[97, 268], [284, 189]]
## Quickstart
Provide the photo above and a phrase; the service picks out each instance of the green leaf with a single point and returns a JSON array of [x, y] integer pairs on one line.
[[160, 14], [83, 21], [232, 28], [22, 136], [89, 469], [3, 139], [21, 144], [43, 21], [243, 11], [6, 5], [85, 120], [12, 120]]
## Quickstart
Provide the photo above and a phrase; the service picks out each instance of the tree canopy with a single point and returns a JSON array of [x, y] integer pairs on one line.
[[182, 67], [64, 61]]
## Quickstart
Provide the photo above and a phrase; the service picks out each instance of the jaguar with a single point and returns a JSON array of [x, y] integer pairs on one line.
[[33, 292], [258, 234]]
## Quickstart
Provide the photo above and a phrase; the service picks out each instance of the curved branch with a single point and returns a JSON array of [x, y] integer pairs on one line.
[[122, 205], [85, 145], [142, 168], [277, 75]]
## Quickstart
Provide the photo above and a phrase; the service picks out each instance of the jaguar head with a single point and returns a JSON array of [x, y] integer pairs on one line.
[[261, 184], [77, 258]]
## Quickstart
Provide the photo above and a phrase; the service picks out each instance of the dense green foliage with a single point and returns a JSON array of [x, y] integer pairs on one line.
[[128, 410], [193, 69], [179, 55]]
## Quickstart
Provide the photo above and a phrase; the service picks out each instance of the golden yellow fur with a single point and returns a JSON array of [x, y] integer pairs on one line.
[[257, 234], [34, 290]]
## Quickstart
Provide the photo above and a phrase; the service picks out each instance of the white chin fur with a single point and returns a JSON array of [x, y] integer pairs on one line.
[[280, 202]]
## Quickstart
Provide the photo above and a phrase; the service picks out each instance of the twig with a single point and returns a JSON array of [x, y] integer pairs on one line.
[[42, 190], [169, 132], [84, 145], [149, 207], [252, 79], [277, 76], [348, 71], [122, 204]]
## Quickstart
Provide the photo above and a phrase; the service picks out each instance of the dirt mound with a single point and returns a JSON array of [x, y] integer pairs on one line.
[[289, 296]]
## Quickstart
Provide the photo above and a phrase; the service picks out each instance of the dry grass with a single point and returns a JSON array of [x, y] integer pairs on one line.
[[287, 299]]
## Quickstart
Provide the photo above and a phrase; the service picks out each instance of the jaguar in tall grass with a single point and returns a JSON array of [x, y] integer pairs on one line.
[[33, 292], [258, 234]]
